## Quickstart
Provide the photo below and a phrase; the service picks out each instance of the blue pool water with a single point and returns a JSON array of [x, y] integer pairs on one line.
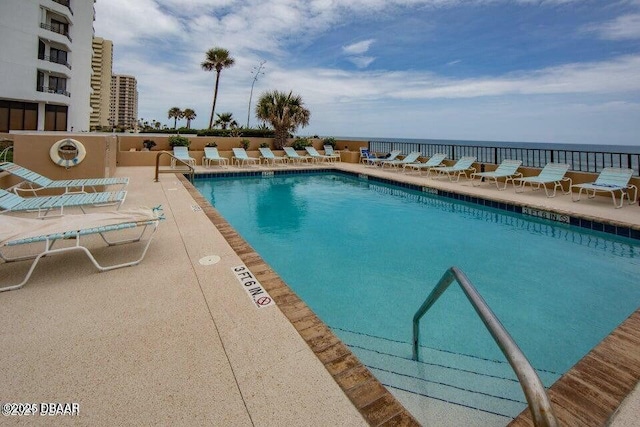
[[365, 255]]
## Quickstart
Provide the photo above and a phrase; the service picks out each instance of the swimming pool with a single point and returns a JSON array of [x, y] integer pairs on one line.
[[365, 255]]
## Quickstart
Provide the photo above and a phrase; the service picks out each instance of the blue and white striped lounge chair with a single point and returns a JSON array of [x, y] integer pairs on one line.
[[317, 157], [407, 160], [507, 169], [10, 202], [36, 182], [461, 167], [377, 161], [241, 158], [434, 161], [329, 151], [267, 156], [552, 173], [32, 233], [211, 156], [182, 153], [293, 156], [610, 180]]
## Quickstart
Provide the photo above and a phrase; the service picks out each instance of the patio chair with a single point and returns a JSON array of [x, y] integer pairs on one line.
[[461, 167], [408, 159], [610, 180], [552, 173], [267, 156], [31, 233], [211, 156], [434, 161], [377, 161], [317, 157], [365, 155], [10, 202], [182, 153], [241, 158], [508, 170], [36, 182], [329, 151], [293, 155]]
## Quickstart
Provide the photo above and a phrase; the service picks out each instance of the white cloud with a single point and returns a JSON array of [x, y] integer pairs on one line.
[[358, 48], [626, 27]]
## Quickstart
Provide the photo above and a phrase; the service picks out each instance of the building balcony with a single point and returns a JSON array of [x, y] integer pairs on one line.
[[54, 60], [46, 89], [65, 3], [55, 29]]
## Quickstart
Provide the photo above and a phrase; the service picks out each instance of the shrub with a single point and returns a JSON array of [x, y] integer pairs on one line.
[[148, 144], [264, 145], [211, 144], [179, 141], [244, 143], [299, 143]]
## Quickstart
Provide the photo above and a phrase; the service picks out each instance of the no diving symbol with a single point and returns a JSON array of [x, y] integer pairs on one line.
[[263, 301]]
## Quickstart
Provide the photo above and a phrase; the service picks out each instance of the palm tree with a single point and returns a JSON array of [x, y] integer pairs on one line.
[[175, 113], [285, 112], [226, 119], [189, 114], [216, 59]]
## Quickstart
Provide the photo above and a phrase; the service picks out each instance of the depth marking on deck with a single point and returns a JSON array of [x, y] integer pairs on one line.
[[254, 289]]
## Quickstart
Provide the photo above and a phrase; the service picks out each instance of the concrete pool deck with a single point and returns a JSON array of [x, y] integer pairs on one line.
[[173, 341]]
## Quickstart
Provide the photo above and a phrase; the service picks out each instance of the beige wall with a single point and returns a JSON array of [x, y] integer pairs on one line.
[[32, 152]]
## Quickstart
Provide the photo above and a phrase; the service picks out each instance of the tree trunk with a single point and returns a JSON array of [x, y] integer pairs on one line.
[[280, 138], [215, 97]]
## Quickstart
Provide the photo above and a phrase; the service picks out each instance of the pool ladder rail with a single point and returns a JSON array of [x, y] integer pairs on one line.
[[190, 169], [534, 391]]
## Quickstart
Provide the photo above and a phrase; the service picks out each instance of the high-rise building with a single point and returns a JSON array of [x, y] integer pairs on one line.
[[124, 101], [102, 67], [45, 64]]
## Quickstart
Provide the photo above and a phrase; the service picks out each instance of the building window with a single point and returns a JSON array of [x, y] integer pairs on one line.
[[55, 117], [18, 116], [40, 49]]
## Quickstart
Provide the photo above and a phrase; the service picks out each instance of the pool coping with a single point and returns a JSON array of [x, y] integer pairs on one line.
[[588, 394]]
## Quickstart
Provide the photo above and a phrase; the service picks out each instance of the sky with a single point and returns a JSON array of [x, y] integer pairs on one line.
[[562, 71]]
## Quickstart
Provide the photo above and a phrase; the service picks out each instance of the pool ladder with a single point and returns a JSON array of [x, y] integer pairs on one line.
[[536, 395], [174, 160]]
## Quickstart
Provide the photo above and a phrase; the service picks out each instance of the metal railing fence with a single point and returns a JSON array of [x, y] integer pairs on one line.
[[579, 160]]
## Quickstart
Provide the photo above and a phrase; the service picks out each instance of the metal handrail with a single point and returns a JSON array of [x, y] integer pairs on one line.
[[191, 168], [534, 391]]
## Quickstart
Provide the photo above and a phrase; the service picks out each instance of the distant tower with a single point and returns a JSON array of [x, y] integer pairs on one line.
[[124, 101], [102, 65], [45, 64]]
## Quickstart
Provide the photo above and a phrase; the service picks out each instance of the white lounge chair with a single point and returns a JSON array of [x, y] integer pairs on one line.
[[182, 153], [10, 202], [552, 173], [408, 159], [37, 182], [20, 231], [293, 156], [461, 167], [267, 156], [508, 170], [377, 161], [434, 161], [241, 158], [329, 151], [610, 180], [365, 155], [317, 157], [211, 156]]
